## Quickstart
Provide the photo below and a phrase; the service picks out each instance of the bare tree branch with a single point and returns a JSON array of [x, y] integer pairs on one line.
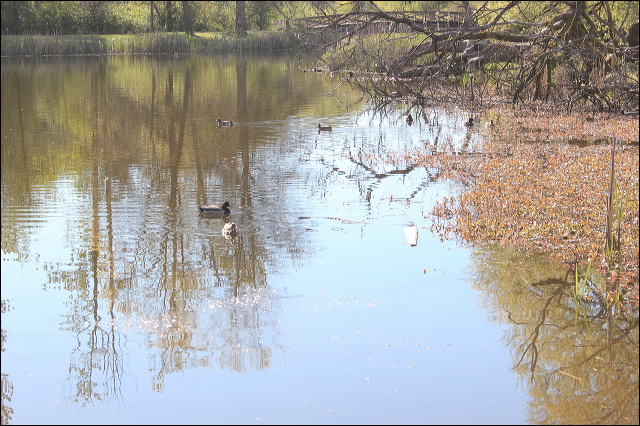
[[571, 53]]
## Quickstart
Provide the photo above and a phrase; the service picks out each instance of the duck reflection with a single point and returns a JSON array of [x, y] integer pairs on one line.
[[230, 230]]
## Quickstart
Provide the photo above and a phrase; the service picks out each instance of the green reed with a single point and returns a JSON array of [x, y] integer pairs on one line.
[[615, 207], [147, 43], [581, 284], [612, 241]]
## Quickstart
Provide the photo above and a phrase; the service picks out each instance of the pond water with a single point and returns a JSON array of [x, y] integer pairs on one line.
[[122, 304]]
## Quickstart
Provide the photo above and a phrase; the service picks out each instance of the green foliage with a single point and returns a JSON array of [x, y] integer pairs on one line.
[[74, 17], [214, 16], [464, 79], [127, 17], [260, 15], [56, 17]]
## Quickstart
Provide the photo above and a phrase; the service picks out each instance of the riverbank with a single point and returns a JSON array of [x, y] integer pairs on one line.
[[148, 43]]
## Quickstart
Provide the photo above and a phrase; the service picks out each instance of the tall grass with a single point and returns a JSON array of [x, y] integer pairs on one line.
[[616, 204], [150, 43], [611, 243], [615, 208]]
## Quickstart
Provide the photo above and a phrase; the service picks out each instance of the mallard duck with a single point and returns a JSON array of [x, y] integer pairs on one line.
[[215, 209], [469, 123], [224, 123], [409, 120], [324, 128], [230, 229]]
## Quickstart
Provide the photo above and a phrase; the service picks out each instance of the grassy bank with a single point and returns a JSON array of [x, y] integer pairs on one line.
[[150, 43]]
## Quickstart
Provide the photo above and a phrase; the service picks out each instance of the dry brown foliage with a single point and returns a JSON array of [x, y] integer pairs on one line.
[[546, 197], [544, 126]]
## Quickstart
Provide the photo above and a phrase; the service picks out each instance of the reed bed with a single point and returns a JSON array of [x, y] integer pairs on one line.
[[151, 43]]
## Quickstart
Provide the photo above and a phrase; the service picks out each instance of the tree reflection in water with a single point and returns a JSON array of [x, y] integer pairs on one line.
[[200, 300], [573, 357], [149, 285]]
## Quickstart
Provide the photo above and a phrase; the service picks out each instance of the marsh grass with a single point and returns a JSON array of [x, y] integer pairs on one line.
[[601, 292], [581, 282], [148, 43]]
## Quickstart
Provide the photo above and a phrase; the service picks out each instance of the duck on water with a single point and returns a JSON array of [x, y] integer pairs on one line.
[[211, 209], [226, 123]]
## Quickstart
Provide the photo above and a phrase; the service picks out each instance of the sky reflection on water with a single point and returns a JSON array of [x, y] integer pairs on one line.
[[123, 304]]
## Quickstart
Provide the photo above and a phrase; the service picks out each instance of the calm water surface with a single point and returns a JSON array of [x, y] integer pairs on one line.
[[122, 304]]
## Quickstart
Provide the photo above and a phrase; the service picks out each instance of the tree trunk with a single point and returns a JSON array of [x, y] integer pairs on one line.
[[151, 26], [186, 13], [169, 16], [241, 18]]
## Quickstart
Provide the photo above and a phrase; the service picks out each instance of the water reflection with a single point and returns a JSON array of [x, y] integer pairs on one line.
[[561, 346], [105, 162], [144, 151], [7, 385]]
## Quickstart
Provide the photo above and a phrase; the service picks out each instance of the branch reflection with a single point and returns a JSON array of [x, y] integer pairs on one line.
[[573, 358]]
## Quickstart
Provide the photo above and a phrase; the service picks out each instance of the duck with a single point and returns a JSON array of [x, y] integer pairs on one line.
[[224, 123], [230, 229], [409, 120], [489, 124], [324, 128], [469, 123], [215, 209]]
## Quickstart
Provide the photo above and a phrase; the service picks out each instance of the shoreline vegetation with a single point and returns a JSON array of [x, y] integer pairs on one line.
[[541, 183], [148, 43]]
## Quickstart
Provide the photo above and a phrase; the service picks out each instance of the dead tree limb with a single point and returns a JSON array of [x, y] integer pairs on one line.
[[572, 52]]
